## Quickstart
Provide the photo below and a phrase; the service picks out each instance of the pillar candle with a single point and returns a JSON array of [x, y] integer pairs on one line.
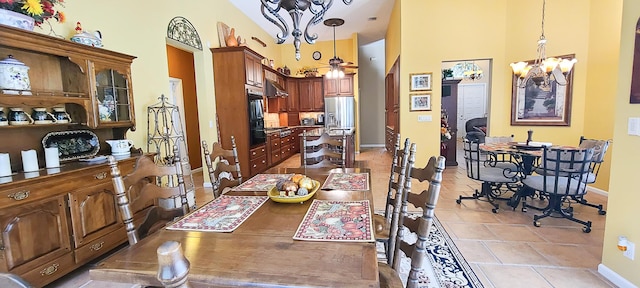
[[51, 157], [30, 161], [5, 165]]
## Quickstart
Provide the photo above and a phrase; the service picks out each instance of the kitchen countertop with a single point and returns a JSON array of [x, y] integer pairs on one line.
[[331, 132], [270, 130]]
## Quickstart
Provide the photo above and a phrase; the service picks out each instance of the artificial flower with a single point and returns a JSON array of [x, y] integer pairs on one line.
[[39, 10]]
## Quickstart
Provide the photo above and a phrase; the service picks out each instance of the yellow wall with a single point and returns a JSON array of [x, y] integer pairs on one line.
[[431, 35], [392, 37], [604, 41], [344, 50], [137, 31], [622, 210]]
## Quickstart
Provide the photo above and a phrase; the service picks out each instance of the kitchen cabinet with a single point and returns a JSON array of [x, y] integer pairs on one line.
[[258, 160], [273, 151], [294, 98], [253, 69], [311, 94], [342, 86], [230, 65]]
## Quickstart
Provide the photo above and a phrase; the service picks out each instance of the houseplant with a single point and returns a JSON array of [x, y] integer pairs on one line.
[[308, 71], [25, 14]]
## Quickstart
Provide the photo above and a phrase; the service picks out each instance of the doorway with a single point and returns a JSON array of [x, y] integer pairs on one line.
[[474, 92], [181, 66]]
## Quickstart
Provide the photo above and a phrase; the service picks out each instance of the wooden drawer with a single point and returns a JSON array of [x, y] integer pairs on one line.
[[275, 156], [285, 141], [49, 271], [257, 152], [258, 165], [99, 246], [285, 152]]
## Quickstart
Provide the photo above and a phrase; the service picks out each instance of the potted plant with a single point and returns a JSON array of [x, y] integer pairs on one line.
[[308, 71], [25, 14], [447, 73]]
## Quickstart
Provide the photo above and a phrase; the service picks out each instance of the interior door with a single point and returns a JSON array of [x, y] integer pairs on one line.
[[472, 103]]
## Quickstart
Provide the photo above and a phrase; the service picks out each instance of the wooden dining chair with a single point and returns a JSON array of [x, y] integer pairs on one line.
[[324, 151], [226, 173], [426, 200], [386, 226], [140, 192]]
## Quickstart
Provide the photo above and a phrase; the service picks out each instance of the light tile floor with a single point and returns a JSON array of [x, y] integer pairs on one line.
[[504, 249]]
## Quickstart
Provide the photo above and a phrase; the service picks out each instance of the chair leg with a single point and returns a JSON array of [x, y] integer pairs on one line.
[[554, 209], [487, 192], [581, 200]]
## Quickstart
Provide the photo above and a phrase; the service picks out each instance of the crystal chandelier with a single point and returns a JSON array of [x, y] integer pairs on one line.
[[543, 70], [296, 8], [472, 72]]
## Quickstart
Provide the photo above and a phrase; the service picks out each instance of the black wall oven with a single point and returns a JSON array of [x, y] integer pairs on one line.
[[257, 134]]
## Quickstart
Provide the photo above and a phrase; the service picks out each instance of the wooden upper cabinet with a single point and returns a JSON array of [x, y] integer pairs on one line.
[[338, 87], [253, 67], [317, 95], [293, 99], [65, 73]]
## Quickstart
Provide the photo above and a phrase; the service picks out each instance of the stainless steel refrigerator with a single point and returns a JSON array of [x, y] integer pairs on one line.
[[339, 112]]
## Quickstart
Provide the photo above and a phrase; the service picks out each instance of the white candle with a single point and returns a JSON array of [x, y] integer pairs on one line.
[[30, 161], [51, 157], [5, 165]]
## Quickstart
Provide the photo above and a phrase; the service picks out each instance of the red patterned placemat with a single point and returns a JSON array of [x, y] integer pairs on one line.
[[348, 221], [262, 182], [347, 181], [224, 214]]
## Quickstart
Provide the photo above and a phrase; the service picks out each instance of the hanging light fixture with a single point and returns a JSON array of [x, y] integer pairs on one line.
[[335, 70], [543, 70], [296, 8], [472, 71]]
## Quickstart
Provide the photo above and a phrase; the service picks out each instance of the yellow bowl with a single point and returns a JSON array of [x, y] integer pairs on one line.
[[274, 194]]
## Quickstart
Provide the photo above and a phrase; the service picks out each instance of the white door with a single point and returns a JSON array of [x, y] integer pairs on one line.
[[472, 103]]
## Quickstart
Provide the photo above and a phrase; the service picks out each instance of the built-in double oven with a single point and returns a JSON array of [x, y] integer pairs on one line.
[[257, 134]]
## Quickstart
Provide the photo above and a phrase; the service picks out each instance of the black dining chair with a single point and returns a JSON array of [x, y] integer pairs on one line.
[[563, 177], [495, 180], [599, 150]]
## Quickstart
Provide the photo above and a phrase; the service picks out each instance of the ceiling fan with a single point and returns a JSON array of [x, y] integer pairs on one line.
[[336, 63]]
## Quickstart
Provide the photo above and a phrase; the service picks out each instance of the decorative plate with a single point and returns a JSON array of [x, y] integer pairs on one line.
[[74, 144], [274, 194]]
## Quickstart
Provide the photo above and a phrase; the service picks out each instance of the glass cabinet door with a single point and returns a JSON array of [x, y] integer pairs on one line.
[[112, 92]]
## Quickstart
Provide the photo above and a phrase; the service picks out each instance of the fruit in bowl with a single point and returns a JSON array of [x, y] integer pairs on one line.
[[290, 192]]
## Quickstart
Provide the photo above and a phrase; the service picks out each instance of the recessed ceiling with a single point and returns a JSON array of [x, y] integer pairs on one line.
[[356, 16]]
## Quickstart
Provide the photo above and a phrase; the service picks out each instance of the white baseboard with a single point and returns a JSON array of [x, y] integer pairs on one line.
[[372, 145], [614, 277], [597, 191]]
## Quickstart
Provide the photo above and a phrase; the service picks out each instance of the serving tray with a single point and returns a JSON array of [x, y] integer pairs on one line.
[[73, 144]]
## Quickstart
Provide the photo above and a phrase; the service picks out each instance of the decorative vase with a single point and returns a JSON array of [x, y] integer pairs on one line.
[[231, 39], [17, 20]]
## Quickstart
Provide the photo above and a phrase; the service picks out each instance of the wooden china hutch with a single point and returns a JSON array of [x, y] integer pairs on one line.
[[55, 220]]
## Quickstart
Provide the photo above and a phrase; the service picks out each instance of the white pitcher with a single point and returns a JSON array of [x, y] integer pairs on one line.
[[120, 147]]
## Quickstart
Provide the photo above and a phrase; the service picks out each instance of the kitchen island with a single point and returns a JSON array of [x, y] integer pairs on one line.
[[337, 134]]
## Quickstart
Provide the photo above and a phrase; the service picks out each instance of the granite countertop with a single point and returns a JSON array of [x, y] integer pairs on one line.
[[331, 132], [270, 130]]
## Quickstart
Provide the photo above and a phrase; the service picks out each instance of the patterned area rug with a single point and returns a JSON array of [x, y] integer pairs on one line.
[[448, 268]]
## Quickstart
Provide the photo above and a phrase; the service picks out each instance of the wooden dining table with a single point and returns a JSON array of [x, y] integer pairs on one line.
[[261, 252]]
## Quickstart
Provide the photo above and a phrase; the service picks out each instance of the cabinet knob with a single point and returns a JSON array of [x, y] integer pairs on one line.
[[100, 175], [254, 153], [20, 195], [254, 165], [97, 246]]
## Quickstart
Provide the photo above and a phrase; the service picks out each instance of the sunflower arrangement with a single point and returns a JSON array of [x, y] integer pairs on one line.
[[39, 10]]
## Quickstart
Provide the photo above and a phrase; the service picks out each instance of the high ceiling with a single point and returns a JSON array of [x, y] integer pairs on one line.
[[356, 16]]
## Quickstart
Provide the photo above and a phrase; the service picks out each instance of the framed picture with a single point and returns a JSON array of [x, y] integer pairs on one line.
[[533, 105], [420, 102], [420, 82]]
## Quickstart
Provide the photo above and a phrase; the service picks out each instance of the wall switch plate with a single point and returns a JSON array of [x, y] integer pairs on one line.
[[424, 118], [633, 126], [631, 250]]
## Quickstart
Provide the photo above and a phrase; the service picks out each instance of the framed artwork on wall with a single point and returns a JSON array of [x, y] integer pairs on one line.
[[420, 82], [534, 105], [420, 102], [634, 98]]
